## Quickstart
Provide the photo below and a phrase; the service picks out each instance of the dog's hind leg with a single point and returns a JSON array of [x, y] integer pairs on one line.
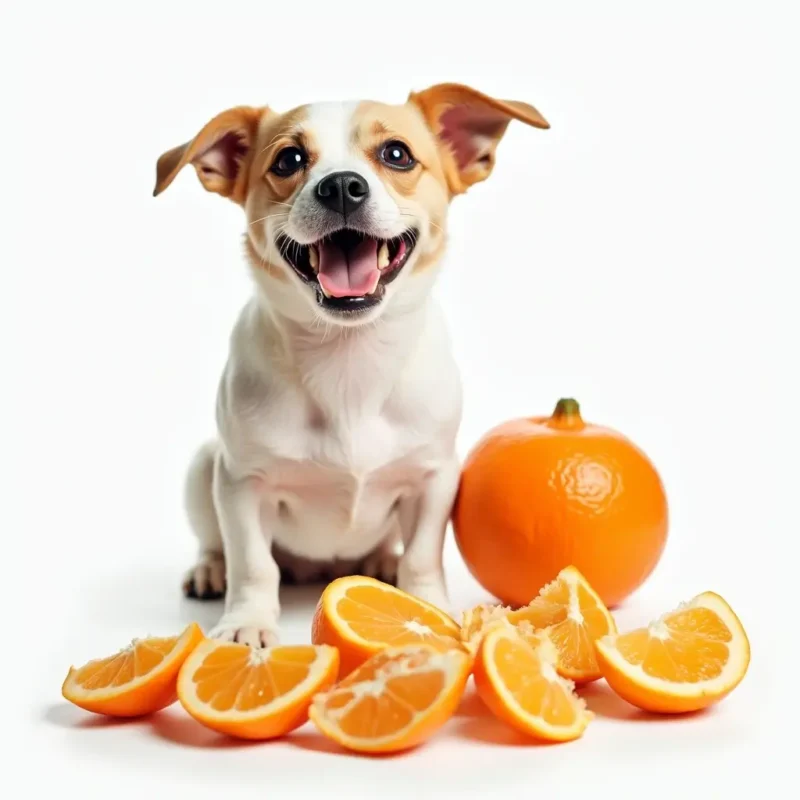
[[206, 579]]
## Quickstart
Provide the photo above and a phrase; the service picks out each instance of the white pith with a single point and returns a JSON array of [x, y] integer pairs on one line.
[[574, 610], [187, 688], [452, 663], [738, 649], [417, 627]]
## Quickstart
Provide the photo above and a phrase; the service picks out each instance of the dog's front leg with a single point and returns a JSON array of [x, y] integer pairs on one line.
[[251, 603], [420, 571]]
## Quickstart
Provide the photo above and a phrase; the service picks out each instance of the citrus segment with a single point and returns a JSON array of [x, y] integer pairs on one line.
[[361, 616], [515, 675], [684, 661], [137, 680], [568, 612], [254, 693], [395, 700]]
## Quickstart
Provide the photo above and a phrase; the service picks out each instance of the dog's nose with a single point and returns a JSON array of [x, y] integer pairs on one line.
[[342, 191]]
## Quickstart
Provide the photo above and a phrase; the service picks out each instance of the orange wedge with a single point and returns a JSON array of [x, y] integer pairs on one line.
[[254, 693], [396, 700], [138, 680], [361, 616], [516, 677], [687, 660], [567, 611]]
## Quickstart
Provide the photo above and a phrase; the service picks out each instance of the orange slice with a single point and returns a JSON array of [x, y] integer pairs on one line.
[[687, 660], [516, 677], [138, 680], [568, 612], [394, 701], [361, 616], [254, 693]]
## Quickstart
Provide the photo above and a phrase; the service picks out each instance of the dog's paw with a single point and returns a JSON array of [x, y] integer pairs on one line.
[[252, 635], [206, 580]]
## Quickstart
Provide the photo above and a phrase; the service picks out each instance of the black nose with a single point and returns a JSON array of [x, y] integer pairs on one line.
[[342, 191]]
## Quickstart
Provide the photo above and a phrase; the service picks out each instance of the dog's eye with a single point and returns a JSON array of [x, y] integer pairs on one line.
[[288, 161], [397, 155]]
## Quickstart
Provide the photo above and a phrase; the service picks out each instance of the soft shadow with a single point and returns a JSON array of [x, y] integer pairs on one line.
[[297, 597], [487, 729], [64, 715], [317, 743], [471, 705], [602, 701], [182, 730]]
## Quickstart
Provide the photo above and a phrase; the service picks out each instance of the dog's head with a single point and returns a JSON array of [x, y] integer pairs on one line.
[[346, 203]]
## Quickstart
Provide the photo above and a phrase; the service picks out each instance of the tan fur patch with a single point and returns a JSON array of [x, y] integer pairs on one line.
[[276, 133], [275, 271], [270, 195], [375, 124], [419, 192]]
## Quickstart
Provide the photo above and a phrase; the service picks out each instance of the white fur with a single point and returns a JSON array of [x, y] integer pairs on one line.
[[331, 125], [334, 441]]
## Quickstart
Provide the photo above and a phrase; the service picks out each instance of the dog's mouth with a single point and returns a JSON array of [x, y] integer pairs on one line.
[[349, 269]]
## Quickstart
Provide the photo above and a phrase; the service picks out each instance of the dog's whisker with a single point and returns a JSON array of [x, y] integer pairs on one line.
[[269, 216], [281, 134]]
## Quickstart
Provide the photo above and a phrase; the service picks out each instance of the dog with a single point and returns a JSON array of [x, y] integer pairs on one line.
[[339, 405]]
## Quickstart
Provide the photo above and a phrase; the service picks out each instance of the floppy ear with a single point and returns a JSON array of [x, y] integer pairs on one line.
[[220, 153], [469, 126]]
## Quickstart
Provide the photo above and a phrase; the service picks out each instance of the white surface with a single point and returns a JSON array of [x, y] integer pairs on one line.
[[642, 256]]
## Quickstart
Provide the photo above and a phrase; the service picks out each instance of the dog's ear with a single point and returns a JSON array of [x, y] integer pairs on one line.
[[220, 153], [469, 126]]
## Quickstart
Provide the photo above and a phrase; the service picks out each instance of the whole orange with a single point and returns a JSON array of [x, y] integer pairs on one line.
[[537, 495]]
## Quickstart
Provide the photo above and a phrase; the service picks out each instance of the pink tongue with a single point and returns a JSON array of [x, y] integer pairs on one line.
[[350, 275]]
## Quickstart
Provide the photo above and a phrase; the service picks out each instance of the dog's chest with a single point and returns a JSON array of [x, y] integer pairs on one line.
[[331, 488], [371, 449], [340, 433]]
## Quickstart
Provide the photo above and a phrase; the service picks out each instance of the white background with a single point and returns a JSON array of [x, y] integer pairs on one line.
[[641, 255]]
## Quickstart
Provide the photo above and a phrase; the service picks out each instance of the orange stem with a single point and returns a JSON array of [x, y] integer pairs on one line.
[[567, 416]]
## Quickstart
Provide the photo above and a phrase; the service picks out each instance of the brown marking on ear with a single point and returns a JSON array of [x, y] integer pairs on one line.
[[469, 125], [275, 271], [220, 153]]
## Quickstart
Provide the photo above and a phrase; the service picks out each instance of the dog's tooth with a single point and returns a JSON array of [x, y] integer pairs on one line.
[[313, 257], [324, 291], [383, 256]]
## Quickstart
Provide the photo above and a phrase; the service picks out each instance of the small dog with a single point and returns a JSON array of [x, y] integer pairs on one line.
[[340, 402]]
